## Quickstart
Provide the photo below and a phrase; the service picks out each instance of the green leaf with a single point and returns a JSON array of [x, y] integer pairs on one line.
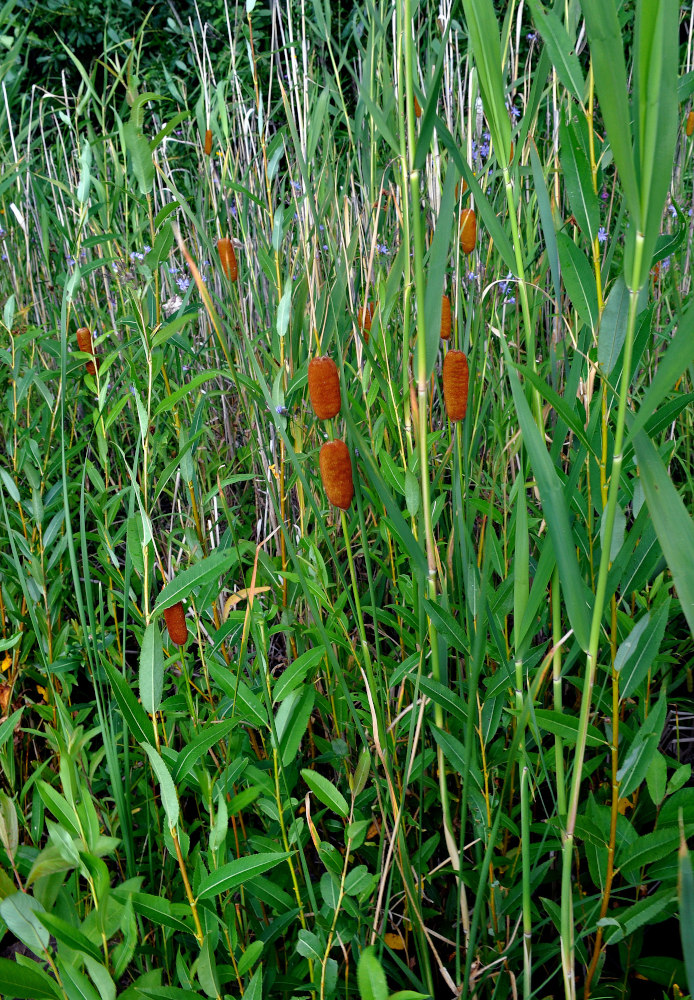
[[676, 359], [211, 734], [75, 983], [483, 31], [141, 157], [185, 582], [326, 792], [60, 807], [578, 179], [566, 726], [636, 653], [295, 674], [169, 402], [19, 911], [72, 936], [436, 271], [579, 280], [672, 523], [613, 326], [172, 328], [132, 711], [168, 791], [250, 956], [160, 911], [236, 873], [26, 982], [642, 749], [291, 722], [151, 668], [371, 978], [656, 779], [685, 893], [561, 49], [607, 53], [556, 511]]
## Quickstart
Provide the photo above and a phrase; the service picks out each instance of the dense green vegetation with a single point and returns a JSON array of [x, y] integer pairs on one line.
[[435, 741]]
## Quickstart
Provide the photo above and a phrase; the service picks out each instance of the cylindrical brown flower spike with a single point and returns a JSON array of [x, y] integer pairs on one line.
[[468, 230], [324, 387], [365, 318], [208, 142], [445, 318], [455, 385], [227, 258], [690, 124], [84, 342], [417, 108], [336, 473], [175, 618]]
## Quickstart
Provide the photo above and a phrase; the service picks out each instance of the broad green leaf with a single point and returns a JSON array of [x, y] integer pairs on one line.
[[566, 726], [250, 956], [60, 807], [132, 711], [656, 59], [295, 674], [151, 668], [642, 749], [247, 705], [72, 936], [561, 49], [169, 402], [483, 32], [326, 792], [291, 722], [26, 982], [170, 329], [685, 893], [436, 271], [579, 280], [636, 654], [578, 179], [140, 152], [607, 53], [556, 511], [168, 790], [672, 523], [19, 911], [676, 359], [185, 582], [75, 983], [371, 978], [613, 326], [236, 873], [656, 779], [160, 911], [310, 946], [211, 735]]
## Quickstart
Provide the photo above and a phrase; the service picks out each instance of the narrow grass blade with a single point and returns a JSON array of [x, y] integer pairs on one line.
[[561, 49], [556, 511], [686, 899], [673, 525]]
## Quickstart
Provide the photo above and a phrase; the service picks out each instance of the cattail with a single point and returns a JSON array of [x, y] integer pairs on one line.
[[365, 318], [510, 159], [455, 385], [417, 108], [175, 618], [208, 142], [445, 317], [227, 257], [84, 342], [324, 387], [336, 473], [690, 123], [468, 230]]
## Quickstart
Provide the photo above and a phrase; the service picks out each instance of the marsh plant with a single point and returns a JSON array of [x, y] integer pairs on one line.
[[346, 554]]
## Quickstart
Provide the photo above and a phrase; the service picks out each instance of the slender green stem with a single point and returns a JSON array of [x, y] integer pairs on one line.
[[594, 639]]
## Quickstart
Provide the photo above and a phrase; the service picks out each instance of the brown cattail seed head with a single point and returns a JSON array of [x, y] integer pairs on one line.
[[468, 230], [324, 387], [417, 108], [175, 618], [690, 123], [455, 385], [336, 473], [208, 142], [228, 258], [365, 318], [445, 317], [84, 342]]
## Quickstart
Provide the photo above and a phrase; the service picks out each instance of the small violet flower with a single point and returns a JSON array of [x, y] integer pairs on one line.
[[602, 235]]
